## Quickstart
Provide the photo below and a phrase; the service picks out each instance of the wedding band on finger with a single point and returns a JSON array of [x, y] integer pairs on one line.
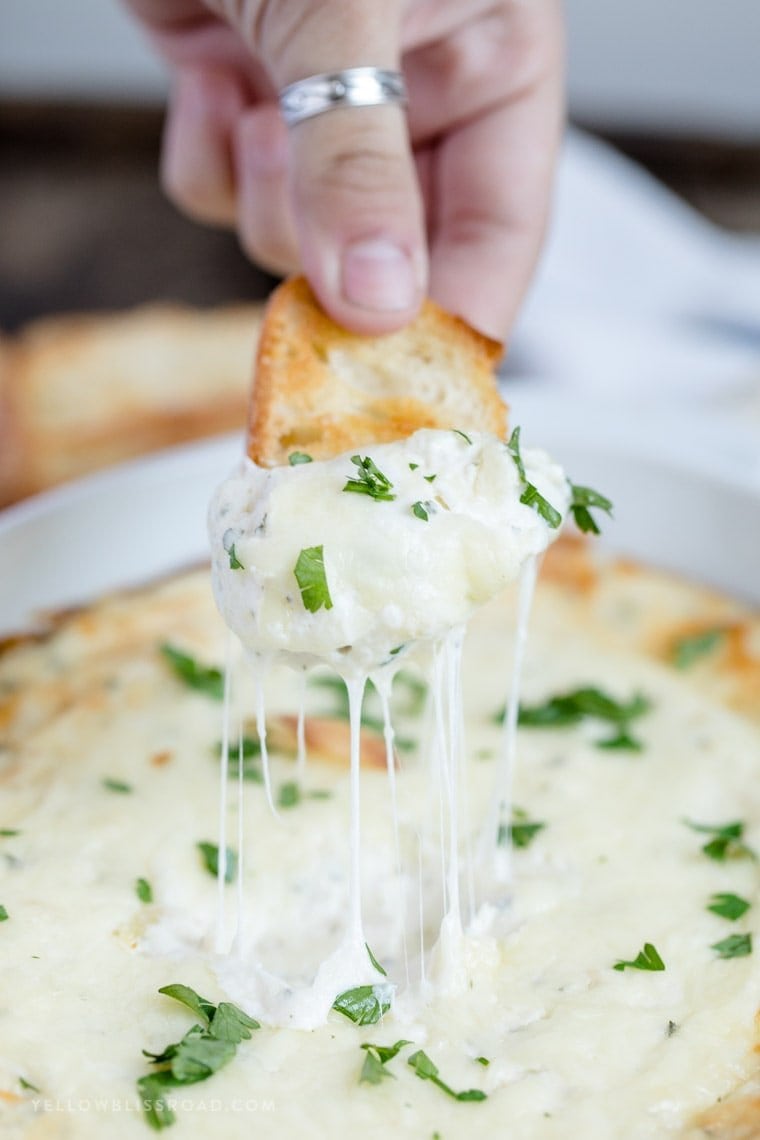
[[354, 87]]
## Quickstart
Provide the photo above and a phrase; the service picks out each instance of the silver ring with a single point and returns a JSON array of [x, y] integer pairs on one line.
[[354, 87]]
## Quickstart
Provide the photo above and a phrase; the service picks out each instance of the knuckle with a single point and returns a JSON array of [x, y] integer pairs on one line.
[[361, 170]]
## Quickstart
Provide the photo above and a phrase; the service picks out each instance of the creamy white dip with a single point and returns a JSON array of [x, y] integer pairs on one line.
[[394, 576]]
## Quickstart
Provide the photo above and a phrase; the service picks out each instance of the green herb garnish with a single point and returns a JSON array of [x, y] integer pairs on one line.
[[531, 496], [204, 1049], [312, 580], [521, 831], [735, 946], [117, 786], [463, 434], [4, 916], [728, 906], [205, 680], [28, 1086], [371, 480], [7, 832], [419, 510], [483, 1061], [427, 1071], [297, 457], [646, 959], [726, 842], [686, 651], [377, 1057], [375, 962], [210, 856], [144, 890], [235, 563], [364, 1005], [572, 707], [289, 794], [581, 500]]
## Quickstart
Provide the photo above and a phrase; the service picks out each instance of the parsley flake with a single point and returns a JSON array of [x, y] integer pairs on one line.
[[144, 890], [571, 708], [210, 857], [7, 832], [463, 434], [726, 842], [581, 500], [728, 906], [426, 1070], [205, 680], [375, 962], [531, 496], [646, 959], [377, 1057], [203, 1050], [521, 831], [289, 794], [735, 946], [364, 1005], [297, 457], [28, 1086], [235, 563], [420, 510], [4, 916], [370, 481], [686, 651], [117, 786], [312, 580]]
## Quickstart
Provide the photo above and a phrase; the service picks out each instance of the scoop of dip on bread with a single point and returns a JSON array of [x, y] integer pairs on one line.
[[348, 560]]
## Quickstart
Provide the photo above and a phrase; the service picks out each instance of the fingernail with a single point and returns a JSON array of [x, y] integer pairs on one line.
[[379, 275]]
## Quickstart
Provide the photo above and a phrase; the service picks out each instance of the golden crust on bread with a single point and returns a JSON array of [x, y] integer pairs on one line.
[[324, 390], [79, 393]]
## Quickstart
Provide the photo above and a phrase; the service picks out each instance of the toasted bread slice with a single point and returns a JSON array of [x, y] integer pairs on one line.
[[324, 390], [82, 392]]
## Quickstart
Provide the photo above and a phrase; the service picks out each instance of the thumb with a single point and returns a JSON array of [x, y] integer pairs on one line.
[[353, 185]]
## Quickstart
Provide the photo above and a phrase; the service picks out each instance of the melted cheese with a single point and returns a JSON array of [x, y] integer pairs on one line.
[[576, 1048], [402, 575]]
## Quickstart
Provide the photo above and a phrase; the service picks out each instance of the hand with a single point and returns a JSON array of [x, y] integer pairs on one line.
[[376, 206]]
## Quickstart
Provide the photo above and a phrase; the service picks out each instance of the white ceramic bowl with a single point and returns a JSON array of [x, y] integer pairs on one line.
[[683, 500]]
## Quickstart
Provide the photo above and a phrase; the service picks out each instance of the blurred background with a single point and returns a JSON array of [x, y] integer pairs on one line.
[[675, 85]]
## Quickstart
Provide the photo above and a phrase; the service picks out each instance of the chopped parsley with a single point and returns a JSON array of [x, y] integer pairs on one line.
[[7, 832], [203, 1050], [735, 946], [421, 510], [521, 831], [581, 500], [117, 786], [28, 1086], [4, 916], [687, 650], [144, 890], [364, 1005], [483, 1061], [463, 434], [427, 1071], [728, 906], [245, 751], [235, 563], [312, 580], [588, 702], [199, 677], [289, 794], [377, 1057], [370, 481], [531, 496], [297, 457], [726, 842], [210, 857], [646, 959], [375, 962]]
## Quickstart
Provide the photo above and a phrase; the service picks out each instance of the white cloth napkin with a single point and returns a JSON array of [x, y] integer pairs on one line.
[[642, 306]]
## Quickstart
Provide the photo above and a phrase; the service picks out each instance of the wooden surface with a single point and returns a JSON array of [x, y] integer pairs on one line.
[[86, 227]]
